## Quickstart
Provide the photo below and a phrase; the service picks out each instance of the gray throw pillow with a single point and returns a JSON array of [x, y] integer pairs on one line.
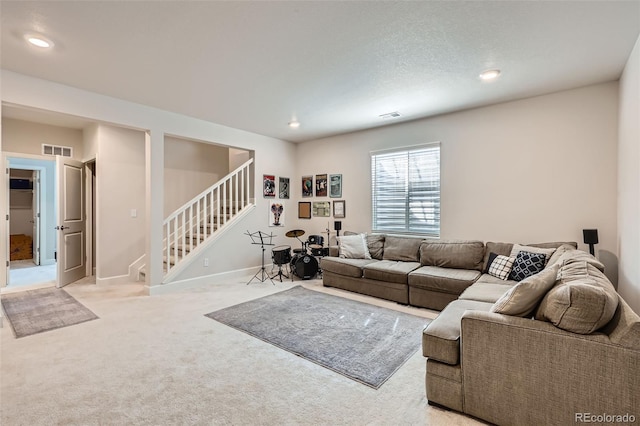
[[523, 298]]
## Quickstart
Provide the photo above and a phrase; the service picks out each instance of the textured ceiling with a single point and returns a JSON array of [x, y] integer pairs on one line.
[[334, 66]]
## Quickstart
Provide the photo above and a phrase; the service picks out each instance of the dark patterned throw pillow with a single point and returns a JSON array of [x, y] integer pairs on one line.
[[527, 264]]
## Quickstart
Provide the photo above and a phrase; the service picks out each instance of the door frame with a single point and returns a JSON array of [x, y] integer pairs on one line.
[[5, 228]]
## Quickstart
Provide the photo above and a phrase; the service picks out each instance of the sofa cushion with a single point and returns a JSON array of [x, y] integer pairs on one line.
[[580, 304], [389, 271], [554, 244], [486, 292], [503, 249], [446, 280], [573, 256], [500, 266], [527, 264], [441, 338], [452, 254], [523, 298], [353, 247], [346, 267], [559, 252], [401, 248], [376, 246]]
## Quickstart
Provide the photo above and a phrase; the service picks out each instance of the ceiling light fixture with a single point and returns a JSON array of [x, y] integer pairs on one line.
[[294, 124], [489, 75], [39, 41]]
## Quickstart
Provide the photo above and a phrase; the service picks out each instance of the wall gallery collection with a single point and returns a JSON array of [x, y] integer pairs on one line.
[[325, 185]]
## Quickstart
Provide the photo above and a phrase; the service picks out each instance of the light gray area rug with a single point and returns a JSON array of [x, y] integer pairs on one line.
[[363, 342], [35, 311]]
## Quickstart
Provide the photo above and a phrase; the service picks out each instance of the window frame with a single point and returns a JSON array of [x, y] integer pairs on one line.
[[421, 194]]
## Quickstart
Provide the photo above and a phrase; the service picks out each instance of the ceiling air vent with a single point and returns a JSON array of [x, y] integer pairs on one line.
[[394, 114], [64, 151]]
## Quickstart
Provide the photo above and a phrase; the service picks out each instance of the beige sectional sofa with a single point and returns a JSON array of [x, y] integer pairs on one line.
[[558, 347]]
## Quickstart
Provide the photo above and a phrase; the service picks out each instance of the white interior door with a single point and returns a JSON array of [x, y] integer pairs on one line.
[[36, 216], [71, 220], [6, 212]]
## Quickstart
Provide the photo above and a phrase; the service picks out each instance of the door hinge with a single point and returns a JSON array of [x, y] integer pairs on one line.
[[7, 217], [7, 263]]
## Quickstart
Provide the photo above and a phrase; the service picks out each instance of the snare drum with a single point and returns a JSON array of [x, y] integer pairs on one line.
[[304, 266], [281, 255]]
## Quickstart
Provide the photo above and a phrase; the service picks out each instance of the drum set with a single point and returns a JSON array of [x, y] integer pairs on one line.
[[304, 261]]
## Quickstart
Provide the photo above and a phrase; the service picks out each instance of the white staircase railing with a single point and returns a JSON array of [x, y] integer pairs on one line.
[[207, 213]]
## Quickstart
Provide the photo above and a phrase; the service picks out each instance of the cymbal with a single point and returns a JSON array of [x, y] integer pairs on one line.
[[295, 233]]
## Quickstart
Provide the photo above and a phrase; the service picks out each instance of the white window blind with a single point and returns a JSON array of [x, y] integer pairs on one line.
[[406, 190]]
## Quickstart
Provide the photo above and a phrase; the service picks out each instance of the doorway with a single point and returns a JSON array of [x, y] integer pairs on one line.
[[30, 260]]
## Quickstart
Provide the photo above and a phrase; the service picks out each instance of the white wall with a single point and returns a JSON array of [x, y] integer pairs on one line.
[[22, 138], [237, 157], [629, 181], [27, 137], [234, 250], [272, 156], [190, 168], [120, 188], [538, 169]]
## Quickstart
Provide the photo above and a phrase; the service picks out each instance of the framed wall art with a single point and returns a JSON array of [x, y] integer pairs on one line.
[[307, 186], [339, 209], [304, 210], [321, 209], [283, 187], [335, 186], [321, 185], [269, 185], [276, 214]]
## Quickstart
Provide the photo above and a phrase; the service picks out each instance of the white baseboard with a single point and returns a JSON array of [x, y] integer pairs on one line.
[[120, 279], [200, 281]]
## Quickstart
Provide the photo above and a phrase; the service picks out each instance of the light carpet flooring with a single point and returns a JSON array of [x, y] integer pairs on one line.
[[157, 360]]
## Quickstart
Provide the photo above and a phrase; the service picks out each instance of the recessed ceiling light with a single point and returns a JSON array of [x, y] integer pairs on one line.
[[489, 74], [39, 41], [294, 124]]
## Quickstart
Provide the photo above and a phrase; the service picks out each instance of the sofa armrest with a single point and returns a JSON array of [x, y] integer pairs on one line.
[[522, 371]]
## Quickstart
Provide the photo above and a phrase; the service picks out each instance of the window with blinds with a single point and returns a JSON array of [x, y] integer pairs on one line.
[[406, 190]]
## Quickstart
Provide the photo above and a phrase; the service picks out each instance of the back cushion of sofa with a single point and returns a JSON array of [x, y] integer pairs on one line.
[[554, 244], [404, 249], [582, 301], [452, 254], [503, 249], [376, 246]]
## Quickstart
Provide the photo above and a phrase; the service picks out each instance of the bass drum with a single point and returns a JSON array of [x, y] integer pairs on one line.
[[304, 266]]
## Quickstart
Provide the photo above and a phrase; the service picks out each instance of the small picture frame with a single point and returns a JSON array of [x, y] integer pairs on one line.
[[339, 209], [307, 186], [276, 214], [321, 185], [321, 209], [335, 186], [283, 187], [304, 210], [269, 186]]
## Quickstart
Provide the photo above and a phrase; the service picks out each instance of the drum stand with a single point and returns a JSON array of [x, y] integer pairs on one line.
[[280, 274], [263, 275]]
